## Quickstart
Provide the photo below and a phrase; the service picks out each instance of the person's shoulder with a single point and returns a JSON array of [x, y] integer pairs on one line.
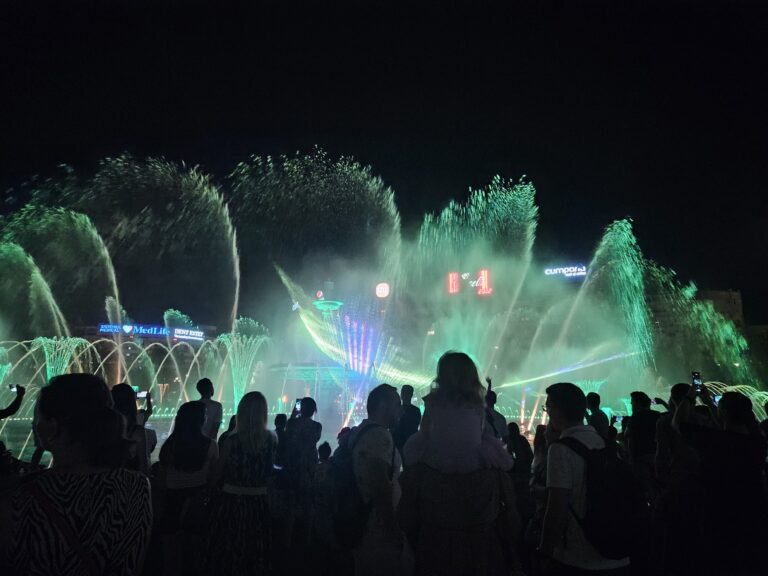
[[371, 437], [413, 409], [128, 477]]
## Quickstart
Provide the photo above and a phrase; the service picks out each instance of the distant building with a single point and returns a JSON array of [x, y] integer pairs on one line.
[[728, 303]]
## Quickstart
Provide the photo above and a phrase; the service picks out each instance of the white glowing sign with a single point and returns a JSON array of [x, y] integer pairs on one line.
[[382, 290], [188, 334], [574, 271]]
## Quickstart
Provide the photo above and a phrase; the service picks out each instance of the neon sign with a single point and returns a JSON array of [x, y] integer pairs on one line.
[[574, 271], [188, 334], [382, 290], [149, 331], [481, 284], [484, 283], [453, 283]]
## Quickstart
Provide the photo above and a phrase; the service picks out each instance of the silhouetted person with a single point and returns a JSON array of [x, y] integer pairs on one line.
[[733, 510], [323, 452], [521, 451], [239, 535], [496, 419], [596, 417], [640, 434], [410, 419], [376, 464], [280, 421], [670, 470], [87, 514], [455, 435], [14, 406], [229, 431], [299, 462], [125, 403], [186, 461], [213, 409], [564, 544], [460, 524]]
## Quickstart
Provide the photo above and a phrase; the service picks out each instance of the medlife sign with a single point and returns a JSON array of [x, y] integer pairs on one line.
[[148, 331], [574, 271]]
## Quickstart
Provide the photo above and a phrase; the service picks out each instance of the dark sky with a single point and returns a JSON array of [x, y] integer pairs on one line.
[[657, 111]]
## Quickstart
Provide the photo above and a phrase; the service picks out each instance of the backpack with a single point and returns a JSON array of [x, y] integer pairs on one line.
[[348, 509], [612, 492]]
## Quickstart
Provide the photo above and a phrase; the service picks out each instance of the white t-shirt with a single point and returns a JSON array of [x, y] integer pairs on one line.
[[374, 444], [566, 469], [213, 413]]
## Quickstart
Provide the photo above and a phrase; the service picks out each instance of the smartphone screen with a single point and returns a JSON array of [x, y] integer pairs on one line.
[[142, 394], [696, 381], [12, 387], [297, 407], [619, 419]]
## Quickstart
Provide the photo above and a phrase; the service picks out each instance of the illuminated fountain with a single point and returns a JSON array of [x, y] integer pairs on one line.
[[472, 283], [469, 280]]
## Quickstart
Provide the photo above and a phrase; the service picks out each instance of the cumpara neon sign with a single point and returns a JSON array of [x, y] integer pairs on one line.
[[574, 271]]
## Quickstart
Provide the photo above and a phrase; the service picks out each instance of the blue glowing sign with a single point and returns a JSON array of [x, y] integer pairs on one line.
[[572, 271], [148, 331]]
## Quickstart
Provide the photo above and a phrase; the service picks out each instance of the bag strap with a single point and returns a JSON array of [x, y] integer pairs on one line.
[[583, 452], [575, 446], [65, 528]]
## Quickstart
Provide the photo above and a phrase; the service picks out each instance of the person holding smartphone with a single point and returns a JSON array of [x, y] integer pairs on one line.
[[14, 406]]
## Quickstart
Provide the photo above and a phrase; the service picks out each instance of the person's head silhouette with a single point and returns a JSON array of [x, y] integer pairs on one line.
[[640, 402], [324, 451], [205, 388], [76, 422], [457, 380], [566, 405], [593, 401], [383, 405]]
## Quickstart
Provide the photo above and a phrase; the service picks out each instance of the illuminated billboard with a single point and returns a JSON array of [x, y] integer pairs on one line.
[[570, 271], [152, 331], [480, 284]]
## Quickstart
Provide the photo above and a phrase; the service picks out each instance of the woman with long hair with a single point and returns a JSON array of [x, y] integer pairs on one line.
[[454, 436], [87, 514], [239, 529], [456, 493], [186, 462]]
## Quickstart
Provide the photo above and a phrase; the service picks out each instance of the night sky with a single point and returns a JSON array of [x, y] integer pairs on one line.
[[611, 108]]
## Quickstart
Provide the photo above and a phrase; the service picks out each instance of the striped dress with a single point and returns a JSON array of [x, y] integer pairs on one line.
[[109, 513]]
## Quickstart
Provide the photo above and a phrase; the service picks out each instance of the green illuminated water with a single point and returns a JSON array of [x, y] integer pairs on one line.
[[243, 350], [619, 264], [167, 234]]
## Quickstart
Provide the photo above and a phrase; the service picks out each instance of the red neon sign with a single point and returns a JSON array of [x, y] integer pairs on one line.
[[484, 283], [453, 283]]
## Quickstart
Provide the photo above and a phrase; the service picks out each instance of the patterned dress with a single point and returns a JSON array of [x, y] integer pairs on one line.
[[239, 538], [109, 513]]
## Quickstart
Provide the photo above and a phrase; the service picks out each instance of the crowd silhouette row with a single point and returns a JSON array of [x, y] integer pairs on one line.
[[455, 491]]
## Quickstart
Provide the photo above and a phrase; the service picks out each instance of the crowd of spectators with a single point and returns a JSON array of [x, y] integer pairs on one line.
[[455, 490]]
